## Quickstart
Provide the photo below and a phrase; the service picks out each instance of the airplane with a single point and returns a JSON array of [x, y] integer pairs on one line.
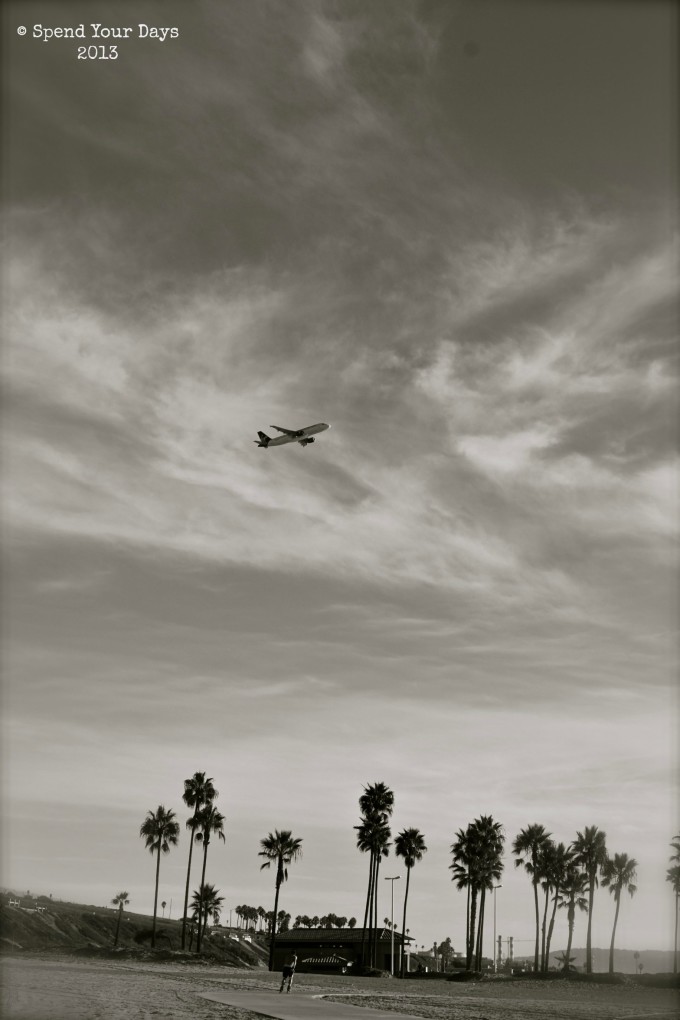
[[302, 436]]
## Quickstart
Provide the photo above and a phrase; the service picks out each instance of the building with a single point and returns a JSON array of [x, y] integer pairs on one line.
[[336, 950]]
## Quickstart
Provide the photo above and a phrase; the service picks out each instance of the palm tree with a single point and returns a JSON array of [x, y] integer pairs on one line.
[[618, 873], [460, 866], [409, 844], [487, 867], [280, 848], [567, 962], [675, 856], [373, 836], [556, 874], [198, 791], [160, 831], [527, 848], [590, 851], [545, 868], [120, 901], [571, 896], [206, 902], [209, 821], [476, 865], [376, 804], [673, 876]]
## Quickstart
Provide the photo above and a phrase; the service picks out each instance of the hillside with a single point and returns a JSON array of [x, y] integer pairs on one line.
[[77, 927], [653, 962]]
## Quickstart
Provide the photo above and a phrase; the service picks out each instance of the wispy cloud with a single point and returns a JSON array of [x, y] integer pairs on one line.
[[470, 575]]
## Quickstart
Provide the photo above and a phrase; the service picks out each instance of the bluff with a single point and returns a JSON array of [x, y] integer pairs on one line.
[[49, 925]]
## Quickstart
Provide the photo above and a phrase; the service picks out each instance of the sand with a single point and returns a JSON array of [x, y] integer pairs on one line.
[[47, 987]]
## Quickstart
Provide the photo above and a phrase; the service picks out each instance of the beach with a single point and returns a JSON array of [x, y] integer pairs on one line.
[[49, 987]]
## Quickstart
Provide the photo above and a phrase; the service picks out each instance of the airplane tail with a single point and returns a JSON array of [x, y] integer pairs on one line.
[[264, 439]]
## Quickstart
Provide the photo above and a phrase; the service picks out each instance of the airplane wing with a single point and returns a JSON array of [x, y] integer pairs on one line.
[[288, 432]]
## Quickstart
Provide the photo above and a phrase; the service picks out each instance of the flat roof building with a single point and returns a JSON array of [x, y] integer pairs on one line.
[[335, 949]]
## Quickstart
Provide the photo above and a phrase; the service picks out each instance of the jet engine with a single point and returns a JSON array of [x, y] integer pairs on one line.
[[304, 442]]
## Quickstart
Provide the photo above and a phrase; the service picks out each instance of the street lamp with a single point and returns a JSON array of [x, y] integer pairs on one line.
[[392, 880], [495, 951]]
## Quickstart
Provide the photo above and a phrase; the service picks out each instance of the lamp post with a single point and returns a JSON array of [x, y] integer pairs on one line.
[[495, 951], [392, 880]]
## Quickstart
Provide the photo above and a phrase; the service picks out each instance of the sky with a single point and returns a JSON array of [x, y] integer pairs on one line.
[[447, 229]]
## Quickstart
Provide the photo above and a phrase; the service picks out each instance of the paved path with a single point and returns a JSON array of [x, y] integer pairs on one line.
[[301, 1007]]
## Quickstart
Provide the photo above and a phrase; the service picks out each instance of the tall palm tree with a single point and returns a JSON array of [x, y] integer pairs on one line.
[[159, 831], [207, 902], [618, 873], [556, 867], [120, 901], [557, 875], [282, 849], [373, 836], [487, 867], [460, 866], [571, 897], [545, 868], [673, 876], [590, 851], [477, 864], [198, 791], [409, 844], [209, 821], [527, 848]]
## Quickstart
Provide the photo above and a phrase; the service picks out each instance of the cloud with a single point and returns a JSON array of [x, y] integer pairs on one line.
[[471, 574]]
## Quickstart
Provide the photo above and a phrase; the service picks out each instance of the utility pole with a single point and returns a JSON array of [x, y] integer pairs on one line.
[[392, 880]]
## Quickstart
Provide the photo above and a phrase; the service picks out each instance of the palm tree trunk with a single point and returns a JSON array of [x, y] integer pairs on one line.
[[480, 931], [371, 909], [200, 895], [467, 921], [571, 915], [473, 916], [535, 884], [551, 928], [403, 925], [155, 898], [542, 928], [616, 918], [368, 902], [120, 917], [374, 932], [589, 951], [276, 907], [675, 956], [186, 891]]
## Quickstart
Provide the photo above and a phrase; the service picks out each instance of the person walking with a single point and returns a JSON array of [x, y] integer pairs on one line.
[[288, 972]]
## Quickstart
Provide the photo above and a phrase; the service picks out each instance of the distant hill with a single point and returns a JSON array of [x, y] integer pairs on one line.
[[78, 927], [653, 961]]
